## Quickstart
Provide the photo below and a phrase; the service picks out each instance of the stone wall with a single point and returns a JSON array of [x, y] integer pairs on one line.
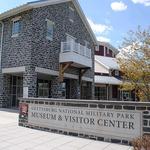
[[126, 107], [45, 53], [31, 48]]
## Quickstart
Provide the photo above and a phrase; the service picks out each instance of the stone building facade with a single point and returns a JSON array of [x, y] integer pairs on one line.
[[30, 62]]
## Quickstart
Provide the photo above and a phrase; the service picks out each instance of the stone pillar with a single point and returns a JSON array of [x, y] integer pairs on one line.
[[107, 88], [1, 90], [74, 89], [56, 88], [30, 82], [93, 90], [5, 99]]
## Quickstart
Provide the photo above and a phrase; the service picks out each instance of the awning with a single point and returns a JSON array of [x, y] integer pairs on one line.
[[107, 80], [108, 62]]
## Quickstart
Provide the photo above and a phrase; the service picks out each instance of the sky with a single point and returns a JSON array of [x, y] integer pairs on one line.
[[110, 20]]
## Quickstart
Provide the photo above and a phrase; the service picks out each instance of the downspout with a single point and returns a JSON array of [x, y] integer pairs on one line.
[[1, 44]]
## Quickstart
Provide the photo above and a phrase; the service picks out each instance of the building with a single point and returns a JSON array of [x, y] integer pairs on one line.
[[105, 49], [47, 50], [108, 75]]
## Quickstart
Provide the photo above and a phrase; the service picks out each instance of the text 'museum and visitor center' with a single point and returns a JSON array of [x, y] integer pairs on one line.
[[49, 61]]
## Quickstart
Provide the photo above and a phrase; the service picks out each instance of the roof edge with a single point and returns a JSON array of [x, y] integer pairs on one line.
[[84, 19], [15, 11], [102, 64], [29, 6]]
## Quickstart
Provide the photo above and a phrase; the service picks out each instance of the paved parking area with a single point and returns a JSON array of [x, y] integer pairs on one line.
[[13, 137]]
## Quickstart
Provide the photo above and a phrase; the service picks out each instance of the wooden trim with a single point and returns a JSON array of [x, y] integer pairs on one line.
[[62, 69]]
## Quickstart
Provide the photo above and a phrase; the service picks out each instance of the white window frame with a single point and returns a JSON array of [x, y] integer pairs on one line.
[[52, 23], [71, 19], [13, 21]]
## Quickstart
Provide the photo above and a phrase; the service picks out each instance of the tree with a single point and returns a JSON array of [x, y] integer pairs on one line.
[[135, 63]]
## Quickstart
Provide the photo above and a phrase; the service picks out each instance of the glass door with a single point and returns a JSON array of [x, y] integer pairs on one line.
[[16, 90]]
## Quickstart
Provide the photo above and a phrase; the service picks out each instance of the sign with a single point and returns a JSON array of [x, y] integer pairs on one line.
[[110, 123], [23, 108]]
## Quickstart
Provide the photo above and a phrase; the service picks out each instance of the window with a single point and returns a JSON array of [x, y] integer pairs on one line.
[[100, 93], [107, 50], [71, 14], [44, 88], [116, 73], [126, 95], [16, 27], [50, 28], [97, 48]]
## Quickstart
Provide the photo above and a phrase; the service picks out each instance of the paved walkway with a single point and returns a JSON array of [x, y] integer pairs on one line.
[[13, 137]]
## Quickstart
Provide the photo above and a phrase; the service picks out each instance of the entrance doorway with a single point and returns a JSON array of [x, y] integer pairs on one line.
[[16, 91]]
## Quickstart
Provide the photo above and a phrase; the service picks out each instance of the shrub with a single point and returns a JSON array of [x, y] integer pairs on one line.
[[142, 143]]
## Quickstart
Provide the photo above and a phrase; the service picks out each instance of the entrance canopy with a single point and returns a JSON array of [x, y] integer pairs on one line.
[[107, 80]]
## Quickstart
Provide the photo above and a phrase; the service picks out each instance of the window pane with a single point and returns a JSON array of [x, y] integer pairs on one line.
[[45, 85], [71, 14], [40, 85], [40, 93], [49, 29], [16, 27], [43, 88], [101, 93], [45, 93]]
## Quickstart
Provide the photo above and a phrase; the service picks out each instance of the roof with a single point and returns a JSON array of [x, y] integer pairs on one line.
[[107, 80], [41, 3], [115, 50], [107, 62]]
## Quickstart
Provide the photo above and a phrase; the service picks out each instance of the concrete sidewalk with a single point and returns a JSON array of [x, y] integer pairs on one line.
[[13, 137]]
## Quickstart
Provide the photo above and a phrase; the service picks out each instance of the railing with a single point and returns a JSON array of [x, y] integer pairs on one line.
[[76, 48]]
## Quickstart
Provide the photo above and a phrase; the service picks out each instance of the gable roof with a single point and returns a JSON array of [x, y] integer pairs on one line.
[[41, 3], [107, 62]]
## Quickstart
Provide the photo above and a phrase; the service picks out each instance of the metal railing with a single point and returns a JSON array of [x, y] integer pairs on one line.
[[76, 48]]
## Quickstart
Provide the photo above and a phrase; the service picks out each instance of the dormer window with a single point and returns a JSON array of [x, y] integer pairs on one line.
[[71, 14], [16, 26]]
